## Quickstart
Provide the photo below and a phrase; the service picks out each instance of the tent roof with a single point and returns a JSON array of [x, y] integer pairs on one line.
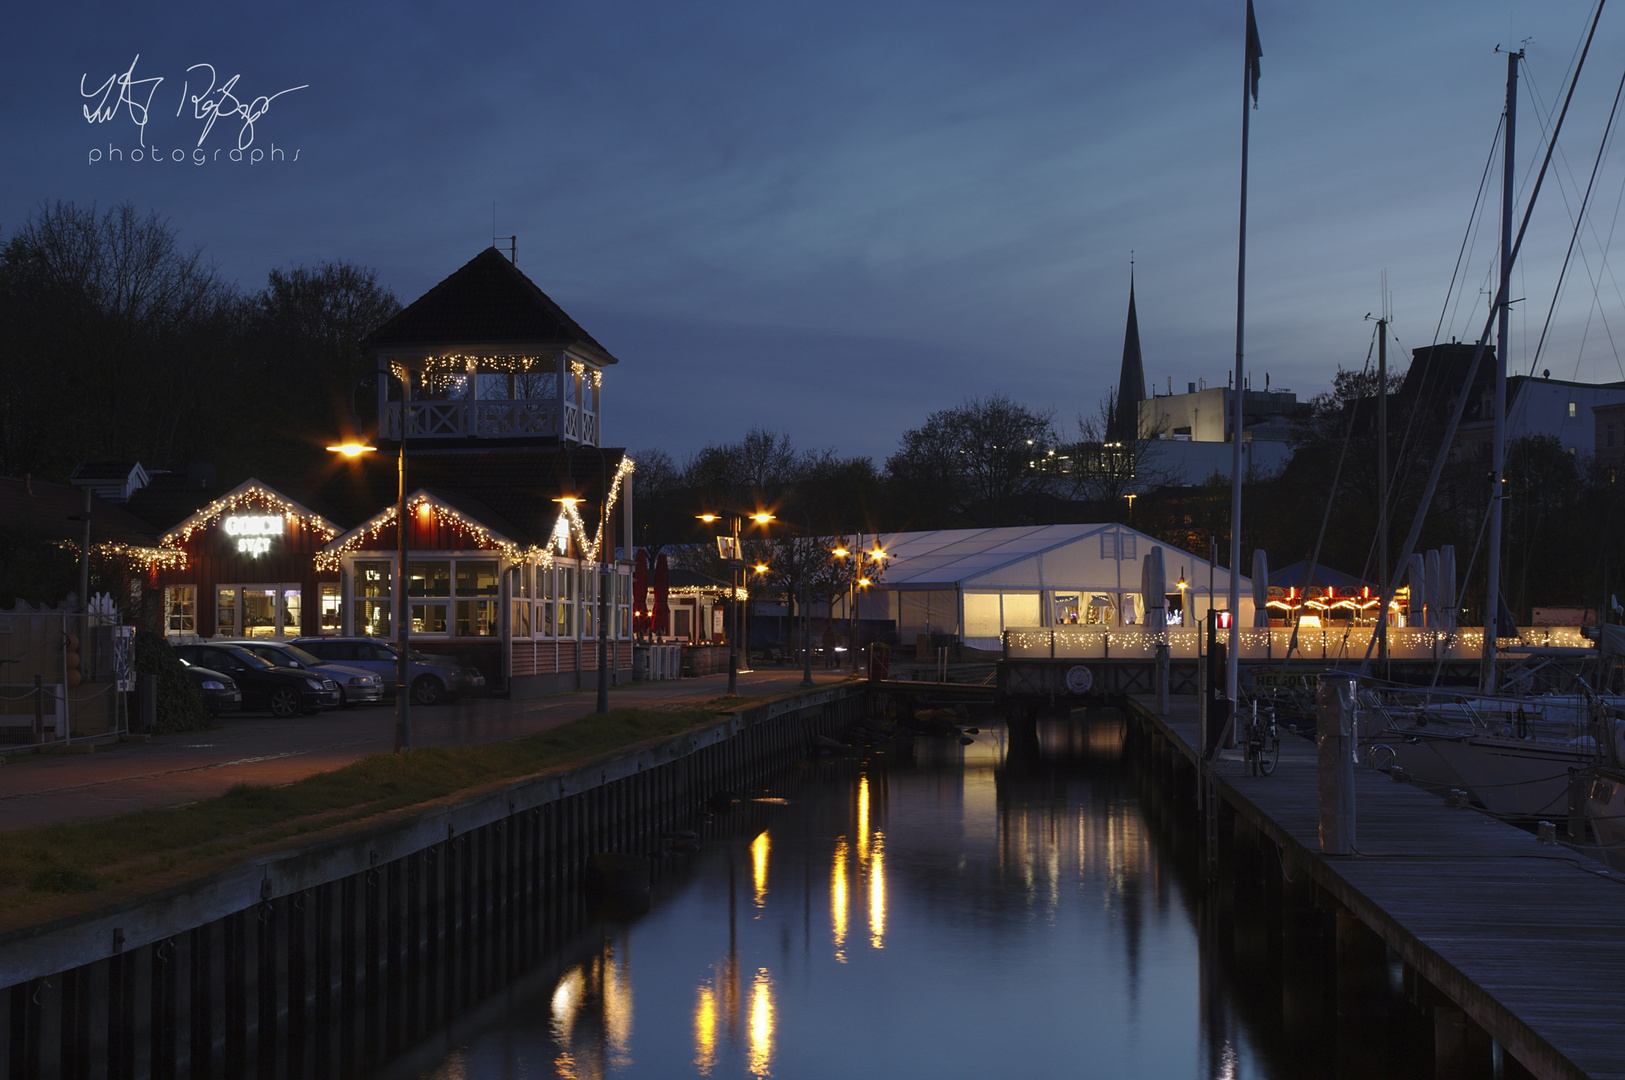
[[1040, 556], [1324, 577]]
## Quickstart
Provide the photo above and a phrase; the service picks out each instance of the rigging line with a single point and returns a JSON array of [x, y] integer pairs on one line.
[[1467, 575], [1474, 219], [1584, 260], [1469, 242], [1331, 499], [1478, 353], [1602, 147], [1596, 298]]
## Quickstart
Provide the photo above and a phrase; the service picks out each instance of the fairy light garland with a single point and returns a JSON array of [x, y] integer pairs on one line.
[[154, 558], [250, 495], [591, 548], [361, 538]]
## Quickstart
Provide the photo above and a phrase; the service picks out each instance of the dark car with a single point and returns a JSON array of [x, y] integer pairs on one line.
[[434, 679], [220, 693], [283, 691], [356, 685]]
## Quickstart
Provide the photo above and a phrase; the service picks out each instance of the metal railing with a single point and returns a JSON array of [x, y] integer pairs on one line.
[[1329, 643]]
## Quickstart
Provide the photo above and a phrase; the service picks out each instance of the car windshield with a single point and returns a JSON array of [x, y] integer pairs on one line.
[[302, 656], [250, 659]]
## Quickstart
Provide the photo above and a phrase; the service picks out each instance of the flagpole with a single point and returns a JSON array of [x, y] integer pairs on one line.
[[1249, 90]]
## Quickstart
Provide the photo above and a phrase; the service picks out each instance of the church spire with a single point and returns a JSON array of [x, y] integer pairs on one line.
[[1125, 426]]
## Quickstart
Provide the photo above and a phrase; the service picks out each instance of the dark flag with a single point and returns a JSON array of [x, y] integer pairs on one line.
[[1254, 51]]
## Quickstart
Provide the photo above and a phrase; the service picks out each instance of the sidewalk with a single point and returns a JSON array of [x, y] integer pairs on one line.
[[173, 770]]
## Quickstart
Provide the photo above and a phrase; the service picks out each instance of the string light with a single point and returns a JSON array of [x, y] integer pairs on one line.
[[254, 494], [361, 538], [159, 558]]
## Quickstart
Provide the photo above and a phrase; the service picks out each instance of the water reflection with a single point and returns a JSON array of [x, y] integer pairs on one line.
[[759, 850], [760, 1057], [839, 898], [993, 909]]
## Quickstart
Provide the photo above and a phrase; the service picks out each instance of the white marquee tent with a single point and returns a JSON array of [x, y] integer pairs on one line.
[[976, 583]]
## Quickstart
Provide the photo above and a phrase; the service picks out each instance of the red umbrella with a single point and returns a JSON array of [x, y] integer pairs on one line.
[[640, 594], [662, 587]]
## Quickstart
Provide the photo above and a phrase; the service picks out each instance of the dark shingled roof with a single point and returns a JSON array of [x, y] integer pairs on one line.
[[487, 302], [510, 490], [44, 510]]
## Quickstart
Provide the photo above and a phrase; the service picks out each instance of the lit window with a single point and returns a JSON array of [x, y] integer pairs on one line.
[[1574, 410], [180, 609]]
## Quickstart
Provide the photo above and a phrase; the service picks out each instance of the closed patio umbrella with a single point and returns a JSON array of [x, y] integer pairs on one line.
[[1261, 588], [1154, 590]]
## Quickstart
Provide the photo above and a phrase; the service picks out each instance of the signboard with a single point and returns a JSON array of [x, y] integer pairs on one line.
[[253, 532], [1079, 679]]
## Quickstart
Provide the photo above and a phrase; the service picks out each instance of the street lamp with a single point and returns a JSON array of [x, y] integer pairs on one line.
[[736, 562], [569, 499], [403, 695]]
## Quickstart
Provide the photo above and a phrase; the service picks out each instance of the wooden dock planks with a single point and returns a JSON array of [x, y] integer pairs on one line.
[[1528, 938]]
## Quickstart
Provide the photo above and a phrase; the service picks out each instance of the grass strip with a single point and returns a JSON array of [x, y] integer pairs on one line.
[[40, 863]]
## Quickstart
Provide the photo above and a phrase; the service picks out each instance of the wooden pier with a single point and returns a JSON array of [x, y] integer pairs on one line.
[[1527, 939]]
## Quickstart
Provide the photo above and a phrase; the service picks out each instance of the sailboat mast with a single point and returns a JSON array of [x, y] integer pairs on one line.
[[1492, 586], [1382, 475]]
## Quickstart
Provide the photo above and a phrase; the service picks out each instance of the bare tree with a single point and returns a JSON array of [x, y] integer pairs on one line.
[[1105, 470]]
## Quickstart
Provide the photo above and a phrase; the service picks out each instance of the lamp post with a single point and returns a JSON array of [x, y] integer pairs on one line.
[[403, 694], [735, 566], [858, 581], [569, 499]]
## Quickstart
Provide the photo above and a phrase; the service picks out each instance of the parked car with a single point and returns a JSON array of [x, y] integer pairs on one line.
[[283, 691], [220, 693], [433, 678], [356, 685]]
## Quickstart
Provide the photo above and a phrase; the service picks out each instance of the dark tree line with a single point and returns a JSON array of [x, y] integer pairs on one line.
[[117, 343]]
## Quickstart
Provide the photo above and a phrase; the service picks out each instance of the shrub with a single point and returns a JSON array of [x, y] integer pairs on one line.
[[180, 702]]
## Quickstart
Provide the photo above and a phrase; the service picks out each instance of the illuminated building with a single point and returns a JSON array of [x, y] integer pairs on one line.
[[515, 508]]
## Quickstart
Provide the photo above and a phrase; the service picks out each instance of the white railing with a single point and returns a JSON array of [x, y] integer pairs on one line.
[[1329, 644], [489, 419]]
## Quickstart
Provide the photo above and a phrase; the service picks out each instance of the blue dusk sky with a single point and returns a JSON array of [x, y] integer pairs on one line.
[[831, 219]]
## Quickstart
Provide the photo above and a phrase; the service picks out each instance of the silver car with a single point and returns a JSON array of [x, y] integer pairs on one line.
[[434, 679], [357, 685]]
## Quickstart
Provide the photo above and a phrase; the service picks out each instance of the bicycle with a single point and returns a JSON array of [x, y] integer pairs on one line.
[[1262, 742]]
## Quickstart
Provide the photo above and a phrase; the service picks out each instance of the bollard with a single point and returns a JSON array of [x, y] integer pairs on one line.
[[1336, 741], [1162, 678]]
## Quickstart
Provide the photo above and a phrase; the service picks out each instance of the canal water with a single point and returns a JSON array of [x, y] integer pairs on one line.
[[984, 910]]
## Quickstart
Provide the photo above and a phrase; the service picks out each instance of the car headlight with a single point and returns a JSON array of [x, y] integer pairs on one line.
[[313, 684], [212, 684], [360, 680]]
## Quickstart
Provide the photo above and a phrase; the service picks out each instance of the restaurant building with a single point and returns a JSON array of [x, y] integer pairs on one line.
[[514, 507]]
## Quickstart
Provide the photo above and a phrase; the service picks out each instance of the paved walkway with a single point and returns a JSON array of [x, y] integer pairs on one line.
[[173, 770]]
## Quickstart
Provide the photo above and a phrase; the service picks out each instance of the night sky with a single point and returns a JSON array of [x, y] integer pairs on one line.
[[831, 219]]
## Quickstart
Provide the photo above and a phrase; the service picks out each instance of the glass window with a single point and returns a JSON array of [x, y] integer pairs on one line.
[[180, 607], [564, 622], [476, 577], [225, 612], [290, 612], [567, 583], [428, 618], [544, 582], [544, 619], [373, 618], [587, 613], [428, 578], [521, 618], [373, 579], [259, 612], [522, 571], [332, 615], [476, 618]]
